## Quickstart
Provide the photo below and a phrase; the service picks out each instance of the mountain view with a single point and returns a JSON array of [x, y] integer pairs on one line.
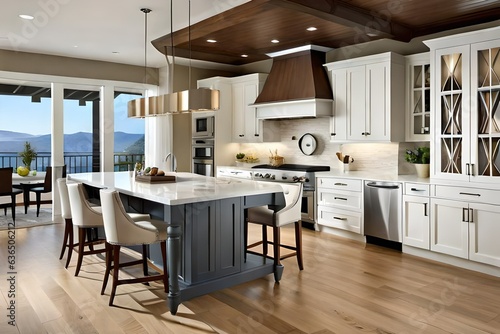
[[12, 142]]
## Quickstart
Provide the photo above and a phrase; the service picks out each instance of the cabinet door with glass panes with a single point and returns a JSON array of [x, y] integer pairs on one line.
[[451, 149], [485, 107], [418, 99]]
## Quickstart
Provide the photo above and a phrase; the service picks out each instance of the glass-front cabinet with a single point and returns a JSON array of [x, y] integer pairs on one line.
[[485, 102], [466, 96], [418, 99]]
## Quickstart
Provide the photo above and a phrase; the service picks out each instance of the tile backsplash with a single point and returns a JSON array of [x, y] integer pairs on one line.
[[386, 157]]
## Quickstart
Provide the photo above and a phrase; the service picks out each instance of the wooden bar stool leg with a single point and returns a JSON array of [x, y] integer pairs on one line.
[[298, 243], [264, 240], [65, 238], [70, 246], [81, 245], [109, 255], [116, 267]]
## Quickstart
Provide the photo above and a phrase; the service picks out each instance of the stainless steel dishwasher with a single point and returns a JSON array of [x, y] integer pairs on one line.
[[383, 213]]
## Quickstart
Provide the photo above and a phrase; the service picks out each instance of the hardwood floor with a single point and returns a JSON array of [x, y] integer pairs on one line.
[[346, 287]]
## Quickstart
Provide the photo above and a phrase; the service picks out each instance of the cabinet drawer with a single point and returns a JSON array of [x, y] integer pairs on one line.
[[487, 196], [339, 183], [341, 219], [417, 189], [340, 199]]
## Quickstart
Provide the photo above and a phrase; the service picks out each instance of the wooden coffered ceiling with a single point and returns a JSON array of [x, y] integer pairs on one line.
[[248, 29]]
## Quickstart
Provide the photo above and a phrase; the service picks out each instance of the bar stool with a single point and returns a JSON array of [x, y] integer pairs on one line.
[[291, 213], [66, 215], [86, 218], [122, 230]]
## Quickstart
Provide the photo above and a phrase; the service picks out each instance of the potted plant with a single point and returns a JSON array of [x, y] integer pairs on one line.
[[420, 158], [27, 156]]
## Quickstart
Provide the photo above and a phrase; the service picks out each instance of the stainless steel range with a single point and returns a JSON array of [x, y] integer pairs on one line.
[[284, 174]]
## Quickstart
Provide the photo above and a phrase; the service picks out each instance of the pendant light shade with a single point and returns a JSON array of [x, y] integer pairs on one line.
[[191, 100]]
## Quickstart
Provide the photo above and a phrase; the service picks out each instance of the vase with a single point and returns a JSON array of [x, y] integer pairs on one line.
[[422, 170]]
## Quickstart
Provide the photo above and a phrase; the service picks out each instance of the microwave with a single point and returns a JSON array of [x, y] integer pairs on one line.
[[203, 126]]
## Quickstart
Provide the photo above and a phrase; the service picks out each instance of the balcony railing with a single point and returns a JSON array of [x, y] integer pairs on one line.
[[75, 162]]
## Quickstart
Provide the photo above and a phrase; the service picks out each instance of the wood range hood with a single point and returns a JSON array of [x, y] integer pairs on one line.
[[297, 86]]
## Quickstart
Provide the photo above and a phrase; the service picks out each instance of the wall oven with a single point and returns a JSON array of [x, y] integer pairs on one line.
[[203, 157], [203, 125]]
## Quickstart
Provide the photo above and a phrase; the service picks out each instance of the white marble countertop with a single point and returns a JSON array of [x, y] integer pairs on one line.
[[188, 188], [375, 176]]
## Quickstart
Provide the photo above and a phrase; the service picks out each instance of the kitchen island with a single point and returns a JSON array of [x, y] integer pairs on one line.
[[205, 219]]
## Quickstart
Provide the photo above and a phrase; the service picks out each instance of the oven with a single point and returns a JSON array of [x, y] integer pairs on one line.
[[203, 125], [308, 206], [203, 157]]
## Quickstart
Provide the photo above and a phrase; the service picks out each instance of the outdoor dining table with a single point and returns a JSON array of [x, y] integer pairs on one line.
[[26, 183]]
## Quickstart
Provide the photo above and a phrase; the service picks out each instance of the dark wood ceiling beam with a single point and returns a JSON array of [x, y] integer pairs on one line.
[[226, 19], [359, 19], [461, 21]]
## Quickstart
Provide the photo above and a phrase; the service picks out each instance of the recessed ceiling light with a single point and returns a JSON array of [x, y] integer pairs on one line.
[[115, 52], [244, 56], [312, 29], [211, 41], [26, 16], [275, 41], [75, 46]]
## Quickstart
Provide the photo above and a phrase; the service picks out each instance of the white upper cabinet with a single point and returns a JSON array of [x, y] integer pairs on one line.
[[466, 134], [246, 127], [418, 97], [236, 120], [368, 95]]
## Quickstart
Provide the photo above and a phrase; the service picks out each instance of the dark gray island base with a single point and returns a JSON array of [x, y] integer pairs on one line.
[[205, 245]]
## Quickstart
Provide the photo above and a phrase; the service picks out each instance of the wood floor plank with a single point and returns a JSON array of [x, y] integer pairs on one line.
[[346, 287]]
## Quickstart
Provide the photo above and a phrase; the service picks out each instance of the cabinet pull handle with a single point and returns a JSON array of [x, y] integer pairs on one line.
[[470, 194], [342, 198], [365, 133], [467, 169], [471, 215], [241, 135], [425, 210], [256, 135], [338, 184], [471, 169], [415, 189], [464, 210], [333, 134], [339, 218]]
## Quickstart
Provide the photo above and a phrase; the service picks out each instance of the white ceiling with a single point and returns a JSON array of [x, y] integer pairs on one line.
[[107, 30]]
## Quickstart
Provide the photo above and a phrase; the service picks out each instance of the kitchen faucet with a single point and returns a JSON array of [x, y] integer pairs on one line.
[[173, 162]]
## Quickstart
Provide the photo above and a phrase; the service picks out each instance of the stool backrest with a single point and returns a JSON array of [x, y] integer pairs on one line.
[[63, 194], [81, 211], [120, 229], [293, 198]]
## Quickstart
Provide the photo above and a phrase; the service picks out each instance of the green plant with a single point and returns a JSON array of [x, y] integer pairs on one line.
[[27, 155], [420, 155], [240, 155]]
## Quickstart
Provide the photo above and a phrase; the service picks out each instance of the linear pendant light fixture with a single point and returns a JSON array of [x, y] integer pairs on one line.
[[191, 100]]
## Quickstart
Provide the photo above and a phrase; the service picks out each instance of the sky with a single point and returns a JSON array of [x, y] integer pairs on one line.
[[19, 114]]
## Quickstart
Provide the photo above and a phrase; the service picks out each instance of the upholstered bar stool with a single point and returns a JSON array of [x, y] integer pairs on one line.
[[290, 214], [85, 217], [122, 230], [68, 221]]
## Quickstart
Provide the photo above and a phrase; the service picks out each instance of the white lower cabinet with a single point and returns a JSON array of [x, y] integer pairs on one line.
[[466, 230], [416, 221], [340, 203]]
